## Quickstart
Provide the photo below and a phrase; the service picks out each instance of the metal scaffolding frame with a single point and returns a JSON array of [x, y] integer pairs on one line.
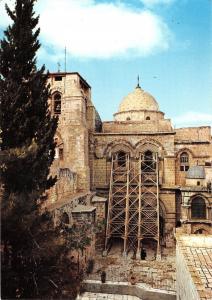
[[133, 206]]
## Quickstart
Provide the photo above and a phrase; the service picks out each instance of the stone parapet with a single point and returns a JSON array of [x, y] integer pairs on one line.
[[126, 288]]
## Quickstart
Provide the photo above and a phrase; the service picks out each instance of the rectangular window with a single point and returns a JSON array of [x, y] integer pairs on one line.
[[58, 78], [184, 168]]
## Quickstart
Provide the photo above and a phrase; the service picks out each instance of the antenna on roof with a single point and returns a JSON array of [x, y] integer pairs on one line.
[[65, 70], [65, 60], [138, 85], [58, 67]]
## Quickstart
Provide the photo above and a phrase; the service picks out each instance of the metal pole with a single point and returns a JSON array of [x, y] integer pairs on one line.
[[126, 210], [139, 211]]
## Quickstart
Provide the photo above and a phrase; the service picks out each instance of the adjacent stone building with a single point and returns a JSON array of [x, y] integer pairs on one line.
[[137, 173]]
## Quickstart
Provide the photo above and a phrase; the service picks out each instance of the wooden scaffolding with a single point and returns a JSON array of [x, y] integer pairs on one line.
[[133, 206]]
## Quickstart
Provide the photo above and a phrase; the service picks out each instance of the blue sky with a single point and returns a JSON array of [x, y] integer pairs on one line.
[[167, 42]]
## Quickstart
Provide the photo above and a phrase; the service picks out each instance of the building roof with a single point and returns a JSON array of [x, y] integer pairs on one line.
[[69, 73], [83, 209], [196, 172], [98, 199], [138, 100]]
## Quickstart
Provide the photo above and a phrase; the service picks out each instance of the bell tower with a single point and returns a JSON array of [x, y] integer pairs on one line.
[[70, 95]]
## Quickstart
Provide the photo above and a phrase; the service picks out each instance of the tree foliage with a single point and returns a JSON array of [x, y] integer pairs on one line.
[[35, 260]]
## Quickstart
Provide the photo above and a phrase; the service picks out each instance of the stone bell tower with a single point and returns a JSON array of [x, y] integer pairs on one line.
[[70, 98]]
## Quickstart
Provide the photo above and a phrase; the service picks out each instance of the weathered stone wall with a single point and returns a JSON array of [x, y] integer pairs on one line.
[[198, 153], [139, 115], [87, 148], [167, 204], [189, 134], [163, 125], [78, 116], [196, 142], [105, 144]]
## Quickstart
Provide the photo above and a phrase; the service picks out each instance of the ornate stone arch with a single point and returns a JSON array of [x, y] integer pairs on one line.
[[199, 195], [151, 145], [56, 101], [179, 152], [194, 211], [119, 145]]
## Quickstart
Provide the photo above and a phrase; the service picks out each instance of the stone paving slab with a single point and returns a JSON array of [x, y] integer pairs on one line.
[[197, 252]]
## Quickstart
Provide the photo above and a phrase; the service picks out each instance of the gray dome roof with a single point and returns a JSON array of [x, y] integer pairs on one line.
[[196, 172]]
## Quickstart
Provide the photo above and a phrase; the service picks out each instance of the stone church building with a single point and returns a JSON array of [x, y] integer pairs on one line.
[[137, 174]]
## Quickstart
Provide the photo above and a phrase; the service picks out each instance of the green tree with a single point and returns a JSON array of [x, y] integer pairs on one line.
[[34, 254]]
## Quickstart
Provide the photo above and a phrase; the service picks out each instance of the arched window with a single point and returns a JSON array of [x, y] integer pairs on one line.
[[198, 208], [184, 162], [147, 118], [148, 163], [57, 103], [121, 159]]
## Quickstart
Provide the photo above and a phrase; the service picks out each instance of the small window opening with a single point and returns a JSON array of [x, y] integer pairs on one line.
[[57, 103], [147, 118], [198, 182], [199, 231], [184, 168], [121, 158], [61, 153], [184, 162], [198, 208], [128, 119], [58, 78]]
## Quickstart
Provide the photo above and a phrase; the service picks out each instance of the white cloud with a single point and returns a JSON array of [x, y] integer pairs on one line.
[[104, 30], [193, 119], [151, 3], [91, 30]]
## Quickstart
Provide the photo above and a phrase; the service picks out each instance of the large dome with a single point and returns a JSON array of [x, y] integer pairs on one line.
[[138, 100]]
